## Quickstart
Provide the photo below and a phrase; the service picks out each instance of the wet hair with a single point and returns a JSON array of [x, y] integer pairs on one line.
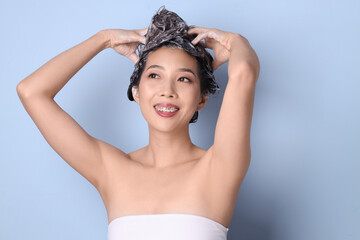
[[170, 30]]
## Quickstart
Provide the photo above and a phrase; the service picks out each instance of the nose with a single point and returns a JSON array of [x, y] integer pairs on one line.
[[168, 89]]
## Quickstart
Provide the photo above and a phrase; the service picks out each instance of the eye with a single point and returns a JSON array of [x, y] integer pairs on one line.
[[188, 80], [151, 74]]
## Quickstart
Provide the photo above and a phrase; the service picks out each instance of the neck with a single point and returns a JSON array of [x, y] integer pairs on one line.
[[169, 148]]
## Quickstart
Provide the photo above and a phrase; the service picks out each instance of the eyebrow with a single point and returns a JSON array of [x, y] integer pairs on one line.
[[179, 69]]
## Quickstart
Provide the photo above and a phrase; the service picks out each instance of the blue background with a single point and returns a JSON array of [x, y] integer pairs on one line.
[[303, 181]]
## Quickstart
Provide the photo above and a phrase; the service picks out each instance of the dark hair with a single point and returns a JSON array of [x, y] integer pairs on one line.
[[168, 29]]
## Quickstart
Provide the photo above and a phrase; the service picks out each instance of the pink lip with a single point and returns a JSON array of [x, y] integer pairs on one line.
[[165, 114], [167, 105]]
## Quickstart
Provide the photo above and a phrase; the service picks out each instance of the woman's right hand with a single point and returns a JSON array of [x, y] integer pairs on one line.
[[125, 42]]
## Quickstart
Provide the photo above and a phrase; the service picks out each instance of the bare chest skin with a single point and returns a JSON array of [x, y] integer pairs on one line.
[[194, 187]]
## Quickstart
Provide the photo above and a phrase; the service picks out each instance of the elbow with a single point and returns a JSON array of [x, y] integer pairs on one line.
[[25, 92], [21, 91], [19, 88]]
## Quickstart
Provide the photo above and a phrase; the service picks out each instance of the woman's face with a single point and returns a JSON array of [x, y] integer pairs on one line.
[[170, 76]]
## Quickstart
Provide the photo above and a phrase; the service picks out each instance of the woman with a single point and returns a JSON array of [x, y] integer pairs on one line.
[[169, 189]]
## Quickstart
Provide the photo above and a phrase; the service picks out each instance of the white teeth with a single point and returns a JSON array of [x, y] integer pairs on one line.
[[164, 109]]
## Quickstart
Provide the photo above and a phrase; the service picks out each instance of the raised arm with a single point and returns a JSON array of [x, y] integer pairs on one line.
[[231, 148], [37, 91]]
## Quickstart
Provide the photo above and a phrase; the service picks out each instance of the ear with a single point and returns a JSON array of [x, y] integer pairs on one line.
[[202, 102], [135, 93]]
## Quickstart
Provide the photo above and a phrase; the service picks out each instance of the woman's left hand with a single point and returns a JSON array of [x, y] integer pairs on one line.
[[216, 40], [223, 44]]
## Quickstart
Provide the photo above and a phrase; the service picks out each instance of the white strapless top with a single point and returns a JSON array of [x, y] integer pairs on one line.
[[167, 226]]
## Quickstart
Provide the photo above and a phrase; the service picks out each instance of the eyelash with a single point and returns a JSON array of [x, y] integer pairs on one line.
[[181, 77]]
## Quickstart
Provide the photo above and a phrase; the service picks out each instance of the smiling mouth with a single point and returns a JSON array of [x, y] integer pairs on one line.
[[166, 110]]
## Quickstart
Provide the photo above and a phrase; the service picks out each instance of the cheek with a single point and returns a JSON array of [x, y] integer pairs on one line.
[[191, 96], [146, 90], [146, 95]]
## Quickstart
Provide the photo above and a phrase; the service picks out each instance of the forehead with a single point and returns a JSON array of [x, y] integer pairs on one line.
[[171, 58]]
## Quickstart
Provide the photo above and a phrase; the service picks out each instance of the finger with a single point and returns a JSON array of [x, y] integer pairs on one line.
[[198, 38], [142, 40], [137, 38], [143, 31], [190, 29], [209, 43], [197, 30], [133, 57]]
